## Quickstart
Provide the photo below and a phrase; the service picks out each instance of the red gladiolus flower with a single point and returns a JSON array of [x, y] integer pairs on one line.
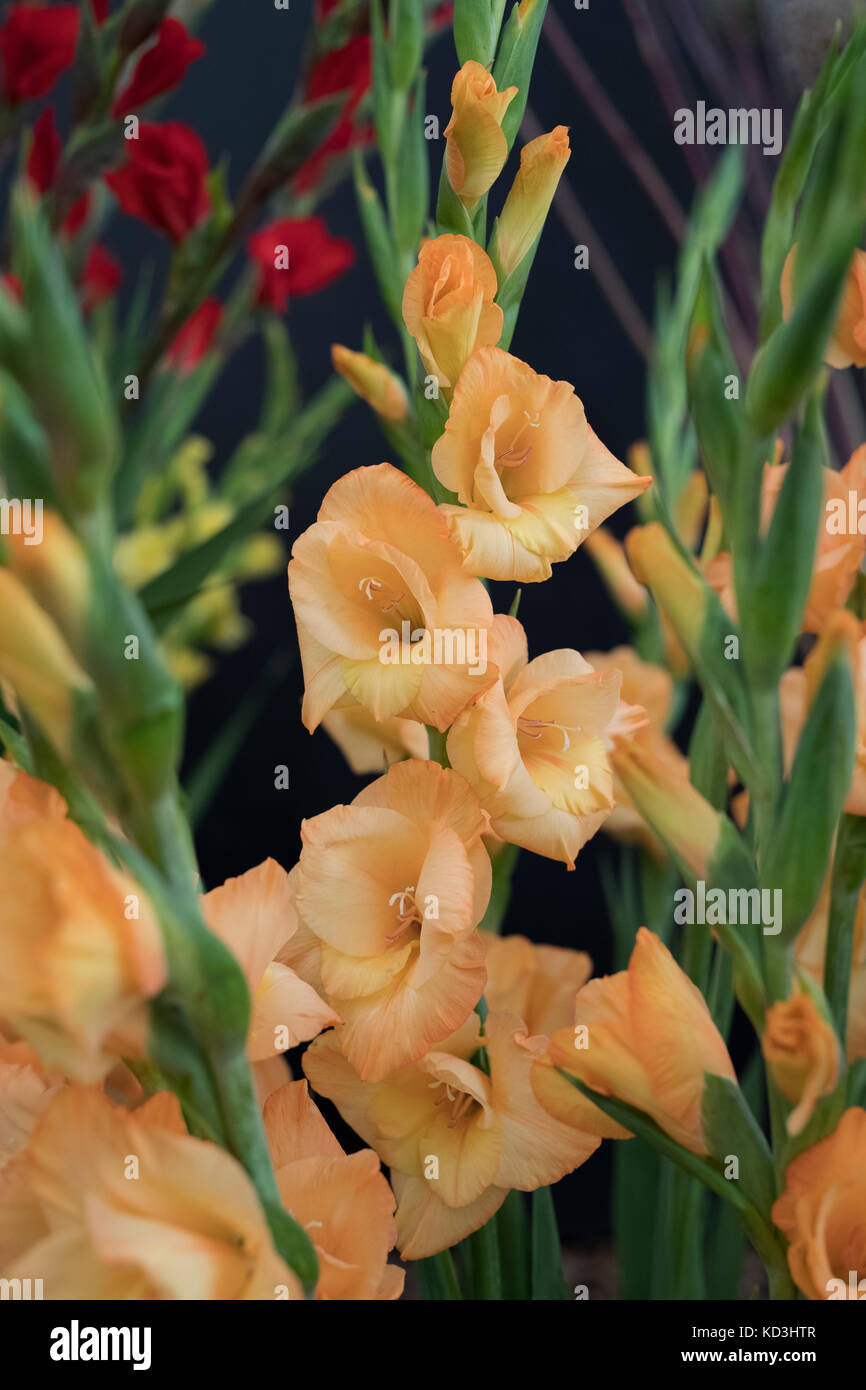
[[159, 69], [297, 256], [76, 216], [345, 69], [44, 156], [100, 277], [13, 286], [192, 342], [163, 180], [100, 10], [36, 45]]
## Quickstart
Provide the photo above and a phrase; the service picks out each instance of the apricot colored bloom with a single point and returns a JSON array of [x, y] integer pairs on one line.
[[821, 1211], [532, 479], [343, 1201], [392, 889], [254, 916], [36, 661], [608, 555], [475, 148], [448, 305], [841, 547], [369, 746], [387, 618], [526, 207], [649, 1040], [538, 983], [455, 1139], [685, 822], [25, 1090], [536, 746], [189, 1226], [847, 345], [650, 686], [802, 1052], [373, 381], [80, 949]]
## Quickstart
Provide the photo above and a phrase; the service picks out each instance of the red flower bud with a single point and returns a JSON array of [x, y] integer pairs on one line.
[[44, 156], [76, 216], [345, 69], [36, 45], [159, 69], [192, 342], [100, 277], [297, 256], [100, 10], [163, 180]]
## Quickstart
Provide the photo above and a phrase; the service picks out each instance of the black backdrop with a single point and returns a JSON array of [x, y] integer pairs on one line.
[[566, 330]]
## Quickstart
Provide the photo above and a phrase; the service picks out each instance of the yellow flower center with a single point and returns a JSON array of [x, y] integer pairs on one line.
[[408, 913], [461, 1102]]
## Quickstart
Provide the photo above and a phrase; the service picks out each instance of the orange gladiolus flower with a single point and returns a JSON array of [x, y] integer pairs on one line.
[[645, 1036], [476, 148], [387, 618], [533, 480], [455, 1139], [254, 916], [538, 983], [37, 662], [847, 346], [371, 746], [25, 1090], [110, 1204], [526, 207], [841, 546], [821, 1212], [343, 1201], [802, 1053], [80, 949], [448, 305], [391, 890], [373, 381], [650, 686], [536, 746]]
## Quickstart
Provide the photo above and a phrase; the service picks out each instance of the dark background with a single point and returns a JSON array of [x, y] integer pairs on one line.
[[566, 330]]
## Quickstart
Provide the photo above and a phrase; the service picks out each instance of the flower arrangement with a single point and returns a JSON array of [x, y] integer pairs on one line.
[[154, 1143]]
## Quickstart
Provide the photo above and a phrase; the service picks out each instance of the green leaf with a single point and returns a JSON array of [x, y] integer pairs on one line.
[[730, 1129], [636, 1171], [708, 765], [412, 194], [437, 1278], [513, 1229], [451, 215], [383, 252], [785, 368], [809, 122], [484, 1254], [548, 1281], [515, 59], [406, 18], [846, 883], [781, 576], [795, 861], [476, 28]]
